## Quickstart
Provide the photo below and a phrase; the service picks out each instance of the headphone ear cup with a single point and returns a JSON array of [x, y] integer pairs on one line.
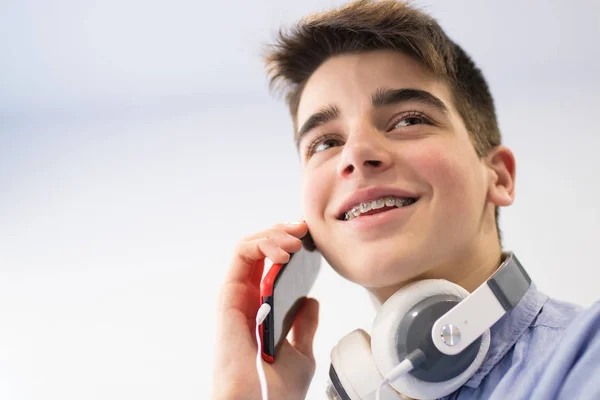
[[386, 337], [354, 368]]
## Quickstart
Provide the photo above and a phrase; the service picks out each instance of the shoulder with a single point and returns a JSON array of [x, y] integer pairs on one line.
[[553, 319], [573, 367], [557, 314], [588, 317], [583, 332], [580, 333]]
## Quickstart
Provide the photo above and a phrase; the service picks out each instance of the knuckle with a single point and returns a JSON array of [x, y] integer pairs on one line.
[[266, 241], [279, 226], [275, 233], [240, 247], [248, 238], [264, 244]]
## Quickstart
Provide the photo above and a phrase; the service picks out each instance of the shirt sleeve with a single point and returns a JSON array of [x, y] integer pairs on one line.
[[573, 370]]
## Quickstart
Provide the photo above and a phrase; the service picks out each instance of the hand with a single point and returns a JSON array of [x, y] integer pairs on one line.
[[234, 369]]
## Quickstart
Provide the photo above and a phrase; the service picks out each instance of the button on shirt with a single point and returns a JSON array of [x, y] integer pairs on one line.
[[543, 349]]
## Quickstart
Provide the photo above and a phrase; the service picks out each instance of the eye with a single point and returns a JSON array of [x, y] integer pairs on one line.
[[322, 143], [411, 118]]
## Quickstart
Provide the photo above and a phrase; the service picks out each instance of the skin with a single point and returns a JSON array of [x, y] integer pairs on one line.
[[234, 364], [448, 233]]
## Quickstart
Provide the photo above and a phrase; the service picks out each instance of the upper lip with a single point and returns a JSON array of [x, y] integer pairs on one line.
[[369, 194]]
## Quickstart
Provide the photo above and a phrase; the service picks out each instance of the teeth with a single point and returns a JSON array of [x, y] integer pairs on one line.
[[364, 207], [377, 204]]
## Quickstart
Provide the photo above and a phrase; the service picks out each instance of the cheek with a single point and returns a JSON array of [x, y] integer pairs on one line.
[[315, 192], [451, 173]]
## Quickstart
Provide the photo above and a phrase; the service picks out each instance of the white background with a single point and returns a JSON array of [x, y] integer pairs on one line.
[[138, 143]]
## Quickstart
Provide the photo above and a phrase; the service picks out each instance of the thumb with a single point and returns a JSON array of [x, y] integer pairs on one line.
[[305, 327]]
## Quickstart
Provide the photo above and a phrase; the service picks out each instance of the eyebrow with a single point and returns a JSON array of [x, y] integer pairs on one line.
[[380, 98], [321, 117], [384, 97]]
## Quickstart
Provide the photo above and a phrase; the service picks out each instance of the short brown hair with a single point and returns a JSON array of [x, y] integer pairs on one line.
[[366, 25]]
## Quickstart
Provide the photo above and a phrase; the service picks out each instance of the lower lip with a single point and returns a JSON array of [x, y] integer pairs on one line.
[[366, 222]]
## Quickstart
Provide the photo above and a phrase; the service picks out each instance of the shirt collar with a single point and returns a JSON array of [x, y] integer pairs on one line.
[[505, 333]]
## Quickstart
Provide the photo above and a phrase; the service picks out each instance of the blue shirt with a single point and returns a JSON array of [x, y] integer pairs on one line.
[[543, 349]]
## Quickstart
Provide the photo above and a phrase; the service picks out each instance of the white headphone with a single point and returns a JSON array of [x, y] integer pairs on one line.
[[436, 328]]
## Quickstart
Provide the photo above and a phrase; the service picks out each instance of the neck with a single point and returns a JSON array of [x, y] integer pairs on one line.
[[469, 270]]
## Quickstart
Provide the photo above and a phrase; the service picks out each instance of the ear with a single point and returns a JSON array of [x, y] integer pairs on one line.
[[502, 168]]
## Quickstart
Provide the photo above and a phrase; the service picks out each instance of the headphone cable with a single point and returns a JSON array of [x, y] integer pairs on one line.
[[262, 313], [410, 362]]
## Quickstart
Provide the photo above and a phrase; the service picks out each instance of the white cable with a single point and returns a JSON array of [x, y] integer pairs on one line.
[[262, 313], [403, 368]]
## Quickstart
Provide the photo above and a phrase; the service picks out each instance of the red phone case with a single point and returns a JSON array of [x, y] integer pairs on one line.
[[266, 290]]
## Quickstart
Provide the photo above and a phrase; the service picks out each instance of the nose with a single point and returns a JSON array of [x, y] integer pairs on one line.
[[366, 152]]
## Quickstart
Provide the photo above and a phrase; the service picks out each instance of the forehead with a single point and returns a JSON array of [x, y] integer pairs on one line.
[[349, 80]]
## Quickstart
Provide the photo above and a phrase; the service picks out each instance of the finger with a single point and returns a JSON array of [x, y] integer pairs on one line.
[[285, 241], [305, 327], [257, 272], [277, 246], [297, 229], [244, 265], [272, 250]]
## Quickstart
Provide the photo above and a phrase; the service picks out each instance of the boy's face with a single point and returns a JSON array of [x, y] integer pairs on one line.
[[372, 139]]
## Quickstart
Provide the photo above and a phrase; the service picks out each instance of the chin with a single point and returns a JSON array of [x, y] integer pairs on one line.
[[378, 269]]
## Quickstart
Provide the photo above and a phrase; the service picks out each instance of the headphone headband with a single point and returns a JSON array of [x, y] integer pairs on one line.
[[448, 327], [470, 318]]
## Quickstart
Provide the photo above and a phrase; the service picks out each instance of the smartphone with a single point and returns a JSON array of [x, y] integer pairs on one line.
[[284, 288]]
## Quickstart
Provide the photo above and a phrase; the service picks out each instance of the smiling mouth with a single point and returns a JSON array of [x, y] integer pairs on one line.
[[377, 206]]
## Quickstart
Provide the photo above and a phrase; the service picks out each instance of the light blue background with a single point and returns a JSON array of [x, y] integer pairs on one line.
[[138, 144]]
